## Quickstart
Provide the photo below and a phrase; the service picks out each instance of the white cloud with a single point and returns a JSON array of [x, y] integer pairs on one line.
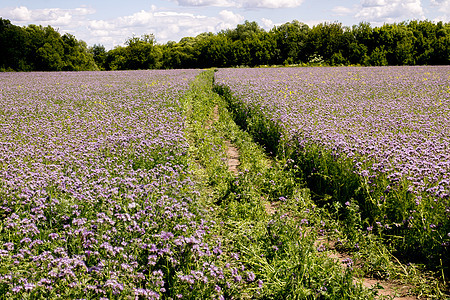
[[138, 19], [442, 6], [218, 3], [267, 23], [241, 3], [99, 25], [271, 3], [227, 19], [19, 14], [164, 24], [440, 3], [373, 3], [47, 16], [343, 11], [383, 11], [378, 12], [230, 17], [83, 11]]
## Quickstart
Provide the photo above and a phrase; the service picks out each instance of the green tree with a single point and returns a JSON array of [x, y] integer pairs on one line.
[[213, 50], [41, 48], [243, 32], [13, 41], [141, 53], [262, 49], [50, 51], [378, 57], [99, 55], [441, 45], [291, 41], [424, 34], [417, 42], [398, 42], [138, 54], [77, 56], [116, 59], [326, 39], [358, 54], [179, 55]]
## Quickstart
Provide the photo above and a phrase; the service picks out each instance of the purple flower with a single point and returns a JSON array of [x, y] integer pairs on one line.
[[260, 283], [251, 276]]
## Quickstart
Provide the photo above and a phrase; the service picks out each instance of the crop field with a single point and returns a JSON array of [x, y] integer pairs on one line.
[[116, 185], [389, 126], [94, 189]]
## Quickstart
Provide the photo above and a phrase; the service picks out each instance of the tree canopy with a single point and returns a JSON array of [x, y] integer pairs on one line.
[[42, 49], [406, 43]]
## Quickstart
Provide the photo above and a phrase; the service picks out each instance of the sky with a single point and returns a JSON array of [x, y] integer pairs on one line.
[[111, 22]]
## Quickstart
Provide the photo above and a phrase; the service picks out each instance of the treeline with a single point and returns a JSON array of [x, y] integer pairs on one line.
[[406, 43], [412, 43], [37, 48]]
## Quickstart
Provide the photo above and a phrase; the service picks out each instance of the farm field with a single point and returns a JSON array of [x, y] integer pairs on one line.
[[117, 185], [95, 195], [378, 138]]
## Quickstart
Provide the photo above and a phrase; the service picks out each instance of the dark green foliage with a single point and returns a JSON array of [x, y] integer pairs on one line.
[[413, 43], [140, 53], [99, 54], [12, 46], [406, 43], [37, 48]]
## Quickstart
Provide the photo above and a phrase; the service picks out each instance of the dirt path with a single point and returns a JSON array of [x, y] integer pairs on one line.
[[232, 152], [386, 289], [232, 158]]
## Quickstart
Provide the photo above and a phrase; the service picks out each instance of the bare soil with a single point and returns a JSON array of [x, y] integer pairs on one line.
[[385, 288], [232, 158]]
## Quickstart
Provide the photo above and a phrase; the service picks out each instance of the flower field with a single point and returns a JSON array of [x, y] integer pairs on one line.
[[376, 137], [96, 198], [116, 185]]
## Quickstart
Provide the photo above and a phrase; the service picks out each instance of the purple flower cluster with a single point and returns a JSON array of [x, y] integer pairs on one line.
[[95, 195]]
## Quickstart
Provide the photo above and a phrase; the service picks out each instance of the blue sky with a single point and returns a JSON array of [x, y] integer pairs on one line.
[[111, 22]]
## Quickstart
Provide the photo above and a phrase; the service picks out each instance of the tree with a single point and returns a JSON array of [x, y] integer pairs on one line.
[[99, 55], [76, 55], [141, 53], [180, 55], [378, 57], [417, 42], [358, 54], [243, 32], [325, 39], [262, 49], [213, 50], [441, 45], [12, 47], [291, 40]]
